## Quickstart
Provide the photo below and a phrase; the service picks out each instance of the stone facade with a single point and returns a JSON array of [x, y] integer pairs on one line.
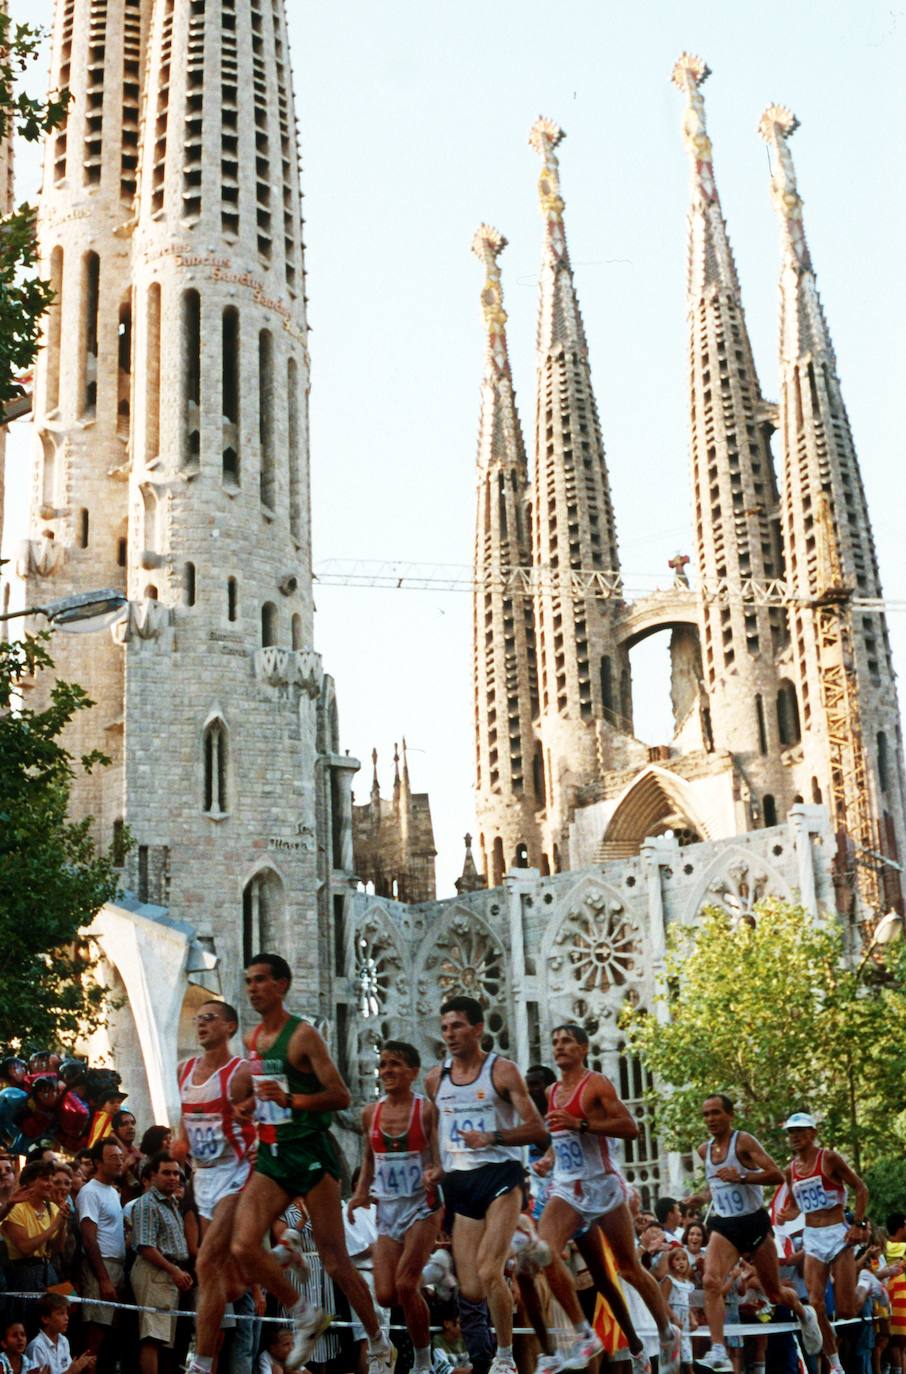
[[393, 840], [782, 685], [171, 424]]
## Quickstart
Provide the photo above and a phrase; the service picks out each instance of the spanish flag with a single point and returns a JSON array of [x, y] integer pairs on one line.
[[609, 1333]]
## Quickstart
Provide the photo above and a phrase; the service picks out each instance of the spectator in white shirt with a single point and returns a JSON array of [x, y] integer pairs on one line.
[[100, 1212], [50, 1349]]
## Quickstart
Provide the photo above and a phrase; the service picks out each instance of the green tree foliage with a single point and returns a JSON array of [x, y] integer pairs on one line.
[[24, 296], [52, 878], [770, 1012]]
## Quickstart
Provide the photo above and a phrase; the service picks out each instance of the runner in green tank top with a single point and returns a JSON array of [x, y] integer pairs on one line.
[[293, 1089]]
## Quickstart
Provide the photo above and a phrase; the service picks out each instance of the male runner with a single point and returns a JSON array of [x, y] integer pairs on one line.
[[296, 1087], [485, 1117], [818, 1181], [737, 1167], [589, 1192], [400, 1135], [220, 1145]]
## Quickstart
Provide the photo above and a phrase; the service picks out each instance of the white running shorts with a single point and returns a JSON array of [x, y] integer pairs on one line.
[[592, 1198], [824, 1243], [395, 1216], [217, 1181]]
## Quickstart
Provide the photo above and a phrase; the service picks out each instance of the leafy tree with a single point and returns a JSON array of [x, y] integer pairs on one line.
[[24, 297], [770, 1012], [52, 878]]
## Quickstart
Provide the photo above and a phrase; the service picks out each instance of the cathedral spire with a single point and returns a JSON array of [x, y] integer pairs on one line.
[[842, 667], [583, 672], [505, 683], [734, 490]]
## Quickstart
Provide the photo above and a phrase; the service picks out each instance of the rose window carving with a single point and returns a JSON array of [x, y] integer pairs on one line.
[[468, 959], [739, 890], [596, 948], [378, 978]]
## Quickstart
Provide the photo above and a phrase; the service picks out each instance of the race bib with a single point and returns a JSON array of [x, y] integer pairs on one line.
[[480, 1117], [810, 1195], [204, 1131], [397, 1175], [729, 1199], [569, 1157], [271, 1113]]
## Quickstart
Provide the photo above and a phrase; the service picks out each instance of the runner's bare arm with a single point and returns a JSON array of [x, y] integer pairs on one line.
[[432, 1078], [308, 1048], [242, 1092], [362, 1195], [602, 1110], [838, 1168], [510, 1084], [703, 1195], [758, 1166]]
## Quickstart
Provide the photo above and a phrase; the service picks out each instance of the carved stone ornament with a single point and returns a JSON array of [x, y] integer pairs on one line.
[[144, 620], [739, 890], [467, 958], [42, 557], [597, 948], [378, 977], [289, 668]]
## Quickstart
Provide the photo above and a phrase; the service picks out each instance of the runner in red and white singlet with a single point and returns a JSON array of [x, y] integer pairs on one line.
[[400, 1132], [818, 1180], [588, 1191]]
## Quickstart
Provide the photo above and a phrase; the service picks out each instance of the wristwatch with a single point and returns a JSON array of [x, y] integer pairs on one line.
[[498, 1138], [583, 1127]]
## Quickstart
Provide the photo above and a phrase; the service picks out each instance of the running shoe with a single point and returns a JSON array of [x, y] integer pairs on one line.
[[307, 1324], [671, 1352], [381, 1358], [583, 1349], [640, 1362], [549, 1364], [811, 1331], [290, 1252], [716, 1362], [503, 1364]]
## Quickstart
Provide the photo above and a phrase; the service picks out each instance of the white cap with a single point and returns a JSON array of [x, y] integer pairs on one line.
[[800, 1120]]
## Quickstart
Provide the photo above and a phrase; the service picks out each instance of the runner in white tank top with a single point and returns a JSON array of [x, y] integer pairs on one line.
[[485, 1118], [818, 1181], [737, 1167], [588, 1193]]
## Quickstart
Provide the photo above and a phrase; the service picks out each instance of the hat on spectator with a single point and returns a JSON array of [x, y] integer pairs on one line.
[[800, 1121]]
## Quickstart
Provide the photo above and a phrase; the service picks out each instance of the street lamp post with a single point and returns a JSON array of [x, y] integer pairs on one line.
[[78, 614]]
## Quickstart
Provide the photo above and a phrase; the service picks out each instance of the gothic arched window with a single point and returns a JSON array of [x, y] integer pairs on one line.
[[216, 767], [262, 913]]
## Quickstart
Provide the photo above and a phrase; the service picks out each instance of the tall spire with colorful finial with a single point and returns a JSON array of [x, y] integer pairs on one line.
[[841, 661], [583, 671], [736, 504], [505, 683]]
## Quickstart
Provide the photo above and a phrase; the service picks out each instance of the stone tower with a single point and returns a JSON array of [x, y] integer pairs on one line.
[[82, 405], [850, 755], [172, 416], [508, 768], [393, 840], [735, 500], [583, 673]]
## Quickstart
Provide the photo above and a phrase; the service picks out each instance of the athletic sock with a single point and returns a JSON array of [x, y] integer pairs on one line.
[[422, 1357], [758, 1368], [378, 1342], [720, 1349], [203, 1362], [505, 1352]]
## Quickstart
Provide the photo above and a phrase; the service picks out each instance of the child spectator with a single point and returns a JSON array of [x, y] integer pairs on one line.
[[677, 1287], [277, 1345], [450, 1353], [13, 1340], [50, 1349]]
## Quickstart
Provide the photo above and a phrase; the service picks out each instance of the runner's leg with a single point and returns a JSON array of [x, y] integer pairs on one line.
[[815, 1272], [258, 1208], [720, 1256], [558, 1223], [323, 1203], [385, 1257], [764, 1262], [420, 1241], [480, 1251], [618, 1228], [590, 1247], [219, 1279]]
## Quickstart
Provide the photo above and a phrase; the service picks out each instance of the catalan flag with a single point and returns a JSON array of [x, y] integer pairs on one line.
[[609, 1333]]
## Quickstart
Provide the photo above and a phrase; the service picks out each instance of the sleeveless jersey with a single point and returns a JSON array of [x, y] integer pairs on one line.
[[579, 1157], [813, 1189], [475, 1106], [399, 1160], [276, 1123], [213, 1133], [731, 1199]]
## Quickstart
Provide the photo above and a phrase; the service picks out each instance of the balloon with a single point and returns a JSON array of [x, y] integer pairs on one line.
[[13, 1103]]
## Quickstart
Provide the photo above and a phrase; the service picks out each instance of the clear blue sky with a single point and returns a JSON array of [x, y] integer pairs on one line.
[[414, 123]]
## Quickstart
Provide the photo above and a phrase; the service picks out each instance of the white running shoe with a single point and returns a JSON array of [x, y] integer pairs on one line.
[[290, 1252], [583, 1349], [717, 1363], [382, 1358], [549, 1364], [640, 1362], [811, 1331], [307, 1324], [503, 1364]]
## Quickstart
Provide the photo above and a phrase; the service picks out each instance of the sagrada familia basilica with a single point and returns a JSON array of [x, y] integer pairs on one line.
[[171, 461]]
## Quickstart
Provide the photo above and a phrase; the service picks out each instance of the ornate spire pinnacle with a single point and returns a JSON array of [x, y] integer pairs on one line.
[[776, 125], [544, 137], [405, 763], [470, 880], [689, 75], [375, 785], [487, 245]]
